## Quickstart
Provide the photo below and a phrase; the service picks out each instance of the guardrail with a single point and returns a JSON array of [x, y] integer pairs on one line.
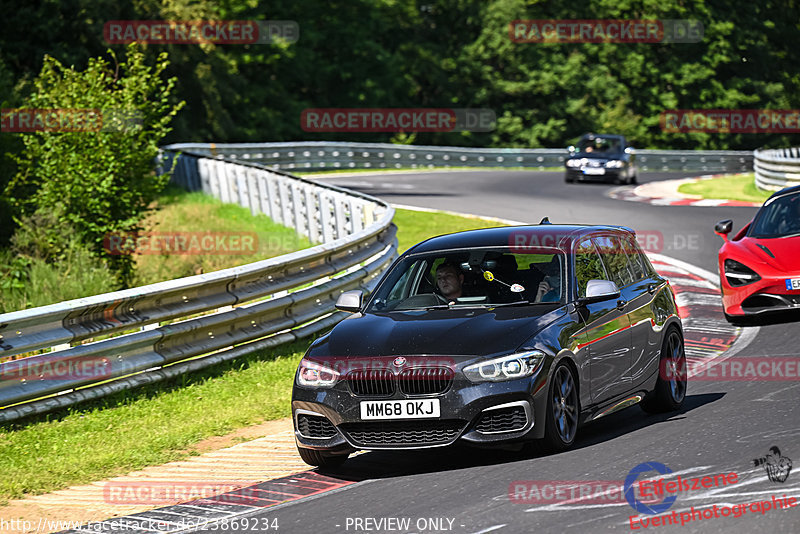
[[119, 340], [332, 155], [777, 168]]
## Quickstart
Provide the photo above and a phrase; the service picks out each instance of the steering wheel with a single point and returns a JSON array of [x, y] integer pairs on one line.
[[441, 299]]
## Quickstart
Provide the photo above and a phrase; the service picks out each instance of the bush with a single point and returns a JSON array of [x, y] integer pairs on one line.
[[97, 182]]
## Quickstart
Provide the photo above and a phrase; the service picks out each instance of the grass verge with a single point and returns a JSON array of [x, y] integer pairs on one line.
[[158, 423], [237, 238], [737, 187]]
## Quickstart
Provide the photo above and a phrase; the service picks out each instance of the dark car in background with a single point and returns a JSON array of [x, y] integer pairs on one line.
[[759, 266], [601, 157], [493, 336]]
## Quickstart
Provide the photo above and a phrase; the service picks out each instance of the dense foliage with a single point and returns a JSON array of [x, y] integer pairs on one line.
[[450, 53]]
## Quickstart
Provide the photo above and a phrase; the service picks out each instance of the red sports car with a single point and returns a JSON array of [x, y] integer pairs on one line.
[[759, 267]]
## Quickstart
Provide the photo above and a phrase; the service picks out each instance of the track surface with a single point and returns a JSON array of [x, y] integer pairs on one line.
[[723, 426]]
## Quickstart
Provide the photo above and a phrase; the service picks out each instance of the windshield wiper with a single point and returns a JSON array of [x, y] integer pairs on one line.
[[517, 303]]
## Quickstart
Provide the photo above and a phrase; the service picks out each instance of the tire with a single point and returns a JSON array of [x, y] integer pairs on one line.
[[318, 459], [633, 180], [568, 180], [563, 409], [669, 394]]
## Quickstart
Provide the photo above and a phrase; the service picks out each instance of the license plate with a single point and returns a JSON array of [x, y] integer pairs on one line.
[[594, 170], [792, 283], [401, 409]]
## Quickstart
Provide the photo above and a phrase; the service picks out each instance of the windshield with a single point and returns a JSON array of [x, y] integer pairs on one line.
[[779, 218], [482, 277], [599, 144]]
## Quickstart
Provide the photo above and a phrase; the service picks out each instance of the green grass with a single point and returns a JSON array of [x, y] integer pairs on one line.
[[176, 211], [78, 275], [151, 425], [155, 424], [741, 187], [415, 226], [181, 212]]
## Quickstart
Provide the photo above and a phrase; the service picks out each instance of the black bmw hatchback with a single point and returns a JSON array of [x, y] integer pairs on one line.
[[601, 157], [492, 336]]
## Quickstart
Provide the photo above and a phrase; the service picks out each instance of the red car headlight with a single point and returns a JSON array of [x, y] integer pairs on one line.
[[739, 274]]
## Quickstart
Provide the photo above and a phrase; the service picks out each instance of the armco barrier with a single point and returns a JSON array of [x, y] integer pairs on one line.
[[332, 155], [777, 168], [156, 330]]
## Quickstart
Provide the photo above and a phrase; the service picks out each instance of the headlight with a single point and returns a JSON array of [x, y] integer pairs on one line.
[[314, 375], [573, 163], [506, 367], [739, 274], [615, 164]]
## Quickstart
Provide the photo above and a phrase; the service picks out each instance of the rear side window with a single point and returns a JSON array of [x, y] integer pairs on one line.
[[588, 265], [636, 259], [615, 259]]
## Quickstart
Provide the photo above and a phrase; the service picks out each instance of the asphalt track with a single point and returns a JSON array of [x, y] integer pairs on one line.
[[722, 428]]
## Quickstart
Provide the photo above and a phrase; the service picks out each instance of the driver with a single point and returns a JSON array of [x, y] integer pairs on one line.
[[449, 280], [549, 289]]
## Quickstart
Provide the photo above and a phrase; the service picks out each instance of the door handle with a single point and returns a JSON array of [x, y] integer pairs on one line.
[[621, 303], [651, 288]]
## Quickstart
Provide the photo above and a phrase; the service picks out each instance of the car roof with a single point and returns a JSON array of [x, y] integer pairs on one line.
[[561, 235], [591, 134], [786, 191]]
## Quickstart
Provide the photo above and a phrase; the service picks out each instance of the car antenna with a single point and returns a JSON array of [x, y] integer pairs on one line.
[[546, 220]]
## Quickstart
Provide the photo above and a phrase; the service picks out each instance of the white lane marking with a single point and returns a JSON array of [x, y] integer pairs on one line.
[[702, 273], [592, 520], [766, 398], [490, 529]]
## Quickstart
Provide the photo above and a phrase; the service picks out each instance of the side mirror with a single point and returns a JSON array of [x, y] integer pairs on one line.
[[723, 228], [600, 290], [630, 150], [349, 301], [571, 149]]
